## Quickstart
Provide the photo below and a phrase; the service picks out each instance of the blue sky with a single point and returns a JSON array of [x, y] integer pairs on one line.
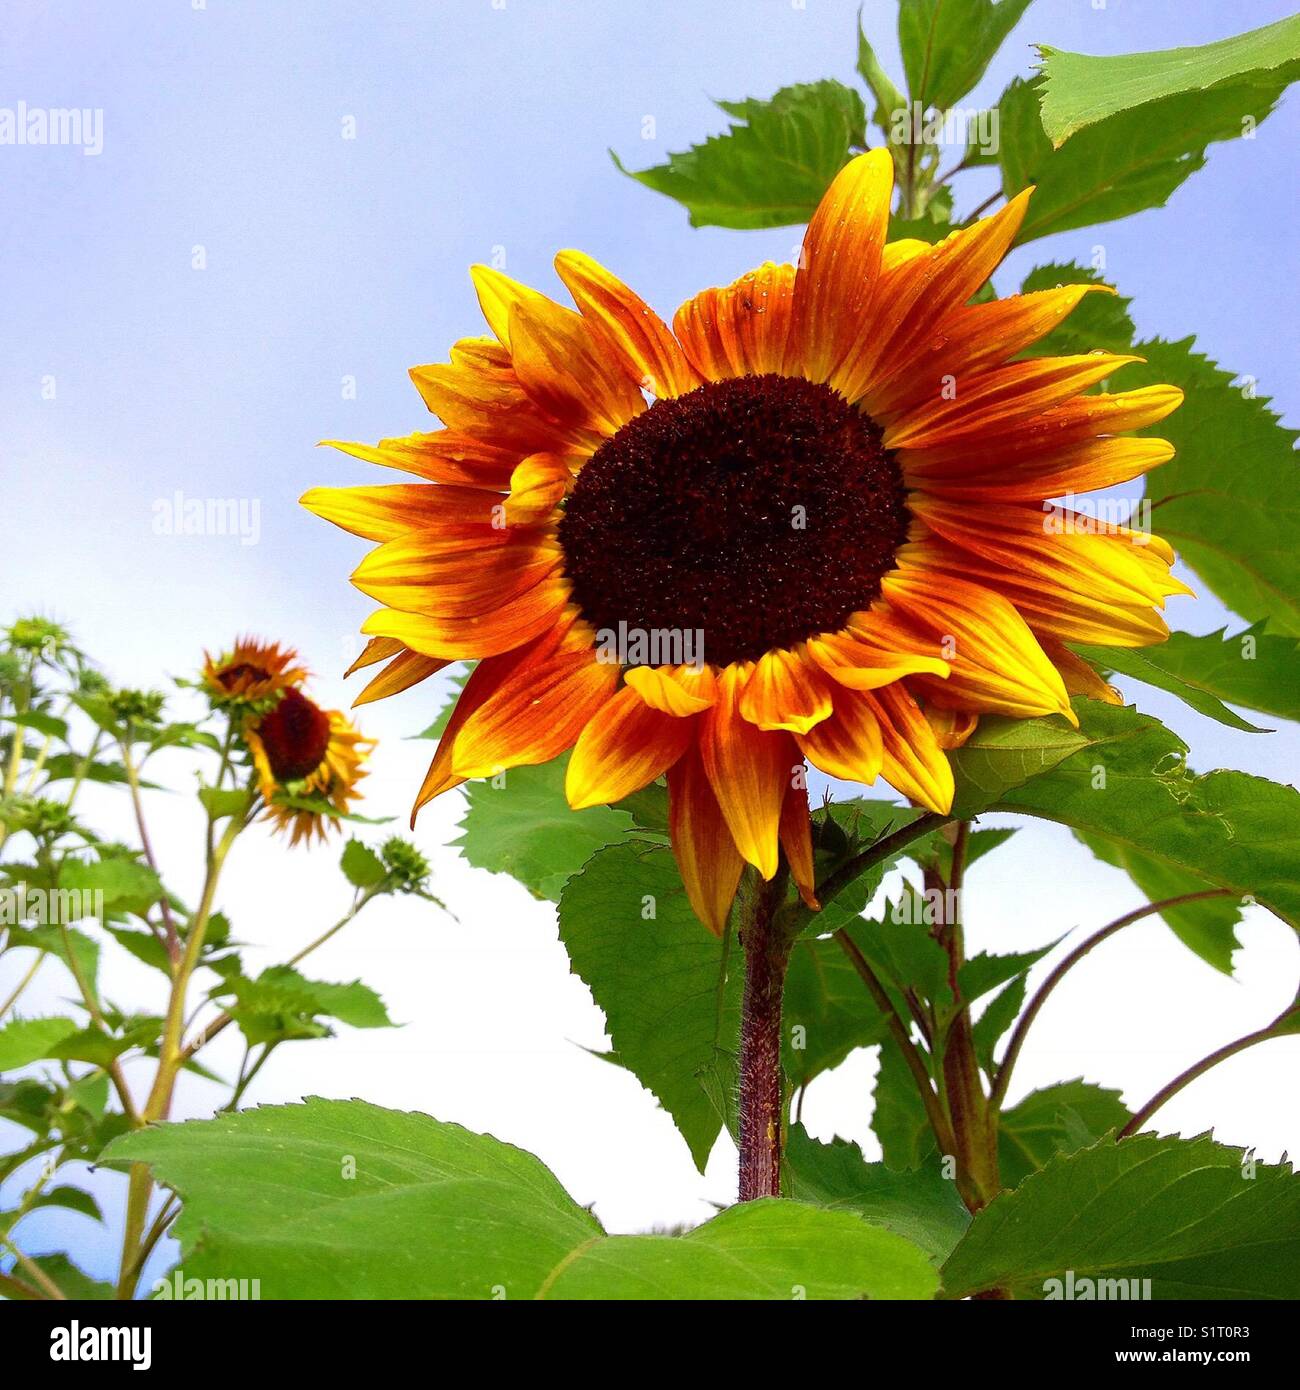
[[483, 129]]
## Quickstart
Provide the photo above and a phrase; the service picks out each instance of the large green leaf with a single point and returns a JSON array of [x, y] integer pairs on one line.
[[1129, 782], [1079, 90], [341, 1199], [1058, 1119], [772, 167], [1254, 668], [898, 1119], [1003, 753], [827, 1011], [1194, 1217], [1121, 165], [1234, 523], [948, 44], [921, 1205], [669, 991], [525, 828]]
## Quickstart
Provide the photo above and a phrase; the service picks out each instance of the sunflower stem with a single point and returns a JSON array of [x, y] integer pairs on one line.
[[767, 954]]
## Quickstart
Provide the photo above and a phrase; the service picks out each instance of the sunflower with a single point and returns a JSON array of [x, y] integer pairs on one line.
[[252, 672], [306, 758], [810, 522]]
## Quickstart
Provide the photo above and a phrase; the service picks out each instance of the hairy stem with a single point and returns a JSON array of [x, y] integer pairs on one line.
[[767, 954]]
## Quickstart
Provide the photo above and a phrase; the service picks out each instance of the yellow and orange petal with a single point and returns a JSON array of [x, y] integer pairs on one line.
[[303, 752], [252, 671], [985, 576]]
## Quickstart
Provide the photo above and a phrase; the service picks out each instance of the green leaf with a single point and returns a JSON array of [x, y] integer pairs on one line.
[[48, 724], [1199, 1220], [1130, 783], [361, 866], [70, 1199], [525, 828], [27, 1040], [144, 946], [827, 1012], [75, 1283], [899, 1118], [93, 1045], [948, 44], [1003, 753], [888, 98], [347, 1183], [1253, 668], [127, 884], [1058, 1119], [222, 802], [983, 973], [671, 997], [1079, 90], [1131, 161], [1207, 926], [1153, 666], [770, 169], [922, 1206], [280, 1004], [67, 944], [999, 1014], [1235, 527]]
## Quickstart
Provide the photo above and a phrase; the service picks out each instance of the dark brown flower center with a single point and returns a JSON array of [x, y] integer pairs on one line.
[[756, 511], [295, 734], [230, 676]]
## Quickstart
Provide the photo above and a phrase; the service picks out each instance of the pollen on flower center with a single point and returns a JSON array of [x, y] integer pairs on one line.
[[296, 735], [760, 510]]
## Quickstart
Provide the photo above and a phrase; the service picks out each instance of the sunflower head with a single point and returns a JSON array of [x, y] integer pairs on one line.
[[308, 762], [813, 522], [252, 673]]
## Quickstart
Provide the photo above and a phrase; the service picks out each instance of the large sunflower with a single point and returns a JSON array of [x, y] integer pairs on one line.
[[807, 523]]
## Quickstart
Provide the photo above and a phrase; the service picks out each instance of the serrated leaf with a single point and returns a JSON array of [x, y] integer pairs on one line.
[[948, 44], [899, 1119], [1058, 1119], [983, 973], [922, 1206], [1004, 753], [999, 1014], [1180, 1212], [829, 1006], [671, 1000], [1097, 321], [493, 1222], [361, 866], [1079, 90], [27, 1040], [772, 167], [1130, 783], [127, 884], [525, 828], [1131, 161]]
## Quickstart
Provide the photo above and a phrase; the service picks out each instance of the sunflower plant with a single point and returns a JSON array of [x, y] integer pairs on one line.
[[697, 582], [82, 1073]]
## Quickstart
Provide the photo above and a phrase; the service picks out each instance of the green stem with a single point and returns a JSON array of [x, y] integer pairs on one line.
[[137, 803], [22, 984]]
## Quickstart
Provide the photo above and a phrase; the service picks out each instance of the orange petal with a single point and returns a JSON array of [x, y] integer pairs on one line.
[[625, 746], [497, 296], [785, 692], [976, 336], [995, 661], [638, 336], [796, 841], [404, 671], [840, 266], [466, 638], [536, 487], [952, 727], [436, 582], [913, 762], [1086, 467], [873, 651], [743, 329], [443, 456], [535, 715], [706, 854], [377, 649], [750, 772], [677, 690], [567, 371], [848, 744], [1000, 398], [379, 513], [1080, 676], [918, 294]]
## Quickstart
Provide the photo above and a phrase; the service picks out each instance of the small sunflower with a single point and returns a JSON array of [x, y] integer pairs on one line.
[[309, 754], [812, 521], [253, 671]]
